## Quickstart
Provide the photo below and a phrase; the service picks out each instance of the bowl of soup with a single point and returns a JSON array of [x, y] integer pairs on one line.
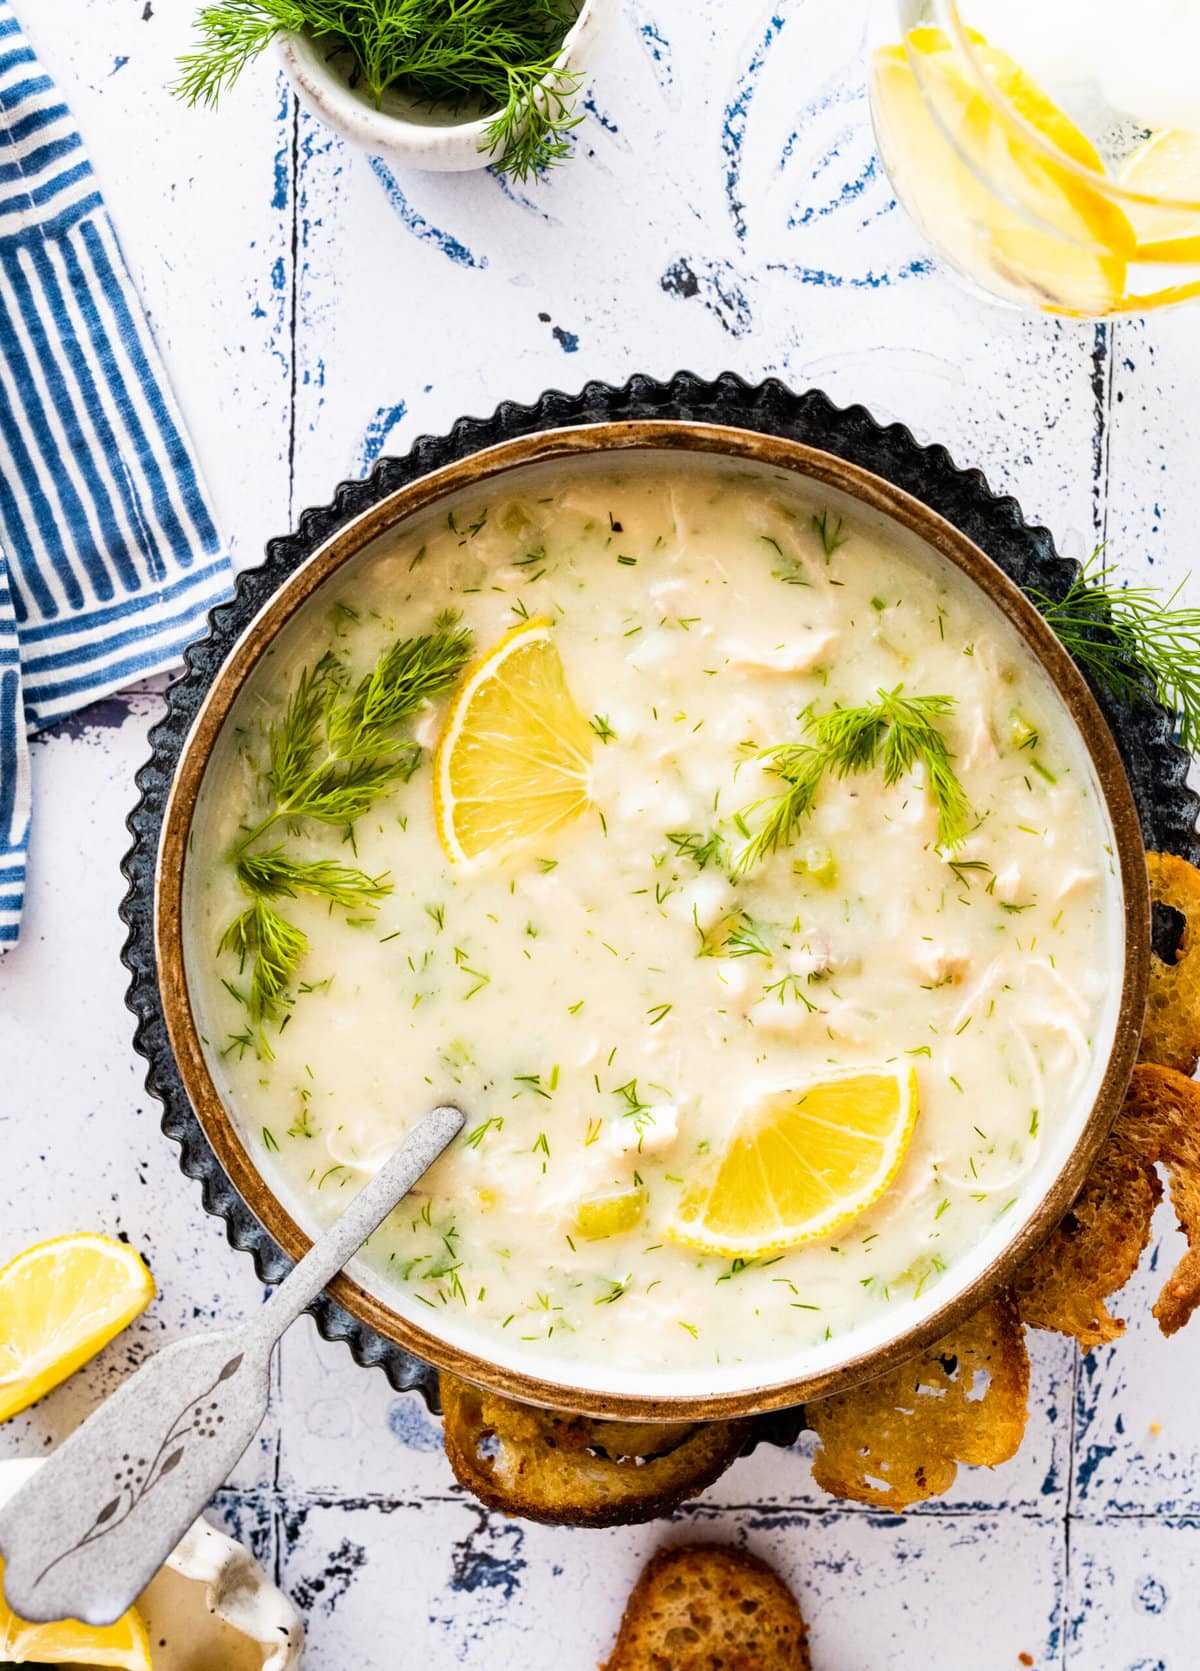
[[731, 841]]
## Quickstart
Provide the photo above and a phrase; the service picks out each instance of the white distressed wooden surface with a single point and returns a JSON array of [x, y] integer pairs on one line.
[[723, 210]]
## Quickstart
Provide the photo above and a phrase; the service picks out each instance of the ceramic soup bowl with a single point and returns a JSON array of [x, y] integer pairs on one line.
[[768, 1376]]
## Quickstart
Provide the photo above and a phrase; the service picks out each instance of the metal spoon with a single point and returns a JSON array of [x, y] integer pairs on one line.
[[87, 1534]]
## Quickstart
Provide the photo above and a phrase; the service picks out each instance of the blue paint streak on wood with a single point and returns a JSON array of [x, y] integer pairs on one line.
[[514, 196], [733, 131], [283, 154], [848, 192], [862, 281], [416, 223], [659, 48], [490, 1557], [376, 435], [408, 1422], [718, 286], [593, 109]]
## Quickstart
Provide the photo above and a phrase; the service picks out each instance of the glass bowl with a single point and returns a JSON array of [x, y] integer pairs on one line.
[[1049, 153]]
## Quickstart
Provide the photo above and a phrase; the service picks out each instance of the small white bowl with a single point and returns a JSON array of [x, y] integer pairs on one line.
[[404, 131]]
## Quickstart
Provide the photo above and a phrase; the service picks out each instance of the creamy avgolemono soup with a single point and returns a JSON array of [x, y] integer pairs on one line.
[[607, 1004]]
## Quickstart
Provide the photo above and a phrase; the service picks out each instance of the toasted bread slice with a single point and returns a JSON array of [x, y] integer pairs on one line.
[[1097, 1246], [571, 1471], [1093, 1251], [899, 1439], [1161, 1124], [1171, 1037], [704, 1607]]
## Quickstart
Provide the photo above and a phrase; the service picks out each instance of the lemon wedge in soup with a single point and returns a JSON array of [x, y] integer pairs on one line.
[[513, 765], [800, 1163]]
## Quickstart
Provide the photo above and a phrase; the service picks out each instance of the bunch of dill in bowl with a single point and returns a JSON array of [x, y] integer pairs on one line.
[[493, 59]]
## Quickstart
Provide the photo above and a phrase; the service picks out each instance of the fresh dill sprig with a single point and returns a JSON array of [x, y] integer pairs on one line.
[[896, 732], [275, 874], [334, 750], [1124, 636], [495, 57], [274, 949]]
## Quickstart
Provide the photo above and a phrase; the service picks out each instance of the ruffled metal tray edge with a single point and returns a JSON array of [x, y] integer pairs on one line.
[[1157, 766]]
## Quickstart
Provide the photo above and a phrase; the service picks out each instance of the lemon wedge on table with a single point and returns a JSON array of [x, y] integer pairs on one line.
[[513, 764], [1166, 165], [124, 1645], [799, 1163], [60, 1302], [984, 190]]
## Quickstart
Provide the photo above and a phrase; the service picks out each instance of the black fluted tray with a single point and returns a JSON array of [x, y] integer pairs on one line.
[[1156, 764]]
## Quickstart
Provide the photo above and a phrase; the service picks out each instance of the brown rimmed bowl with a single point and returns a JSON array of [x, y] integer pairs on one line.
[[376, 1329]]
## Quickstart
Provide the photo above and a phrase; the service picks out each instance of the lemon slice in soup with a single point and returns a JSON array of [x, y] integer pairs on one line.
[[800, 1163], [514, 762]]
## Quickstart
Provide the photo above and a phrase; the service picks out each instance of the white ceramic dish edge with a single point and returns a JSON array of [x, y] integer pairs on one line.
[[210, 1589]]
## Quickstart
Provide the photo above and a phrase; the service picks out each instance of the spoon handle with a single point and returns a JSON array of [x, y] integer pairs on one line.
[[330, 1252]]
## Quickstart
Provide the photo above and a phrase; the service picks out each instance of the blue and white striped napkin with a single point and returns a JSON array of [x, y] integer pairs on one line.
[[109, 560]]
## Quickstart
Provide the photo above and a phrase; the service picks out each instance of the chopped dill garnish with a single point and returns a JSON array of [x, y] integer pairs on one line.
[[641, 1113], [790, 986], [963, 868], [831, 535], [701, 850], [745, 938], [301, 1126], [599, 724]]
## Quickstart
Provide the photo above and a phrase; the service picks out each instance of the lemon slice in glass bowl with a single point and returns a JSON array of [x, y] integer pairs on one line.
[[966, 158], [1167, 165], [800, 1163], [513, 765]]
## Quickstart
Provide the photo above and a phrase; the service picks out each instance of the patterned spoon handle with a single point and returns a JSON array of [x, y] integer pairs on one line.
[[88, 1532]]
